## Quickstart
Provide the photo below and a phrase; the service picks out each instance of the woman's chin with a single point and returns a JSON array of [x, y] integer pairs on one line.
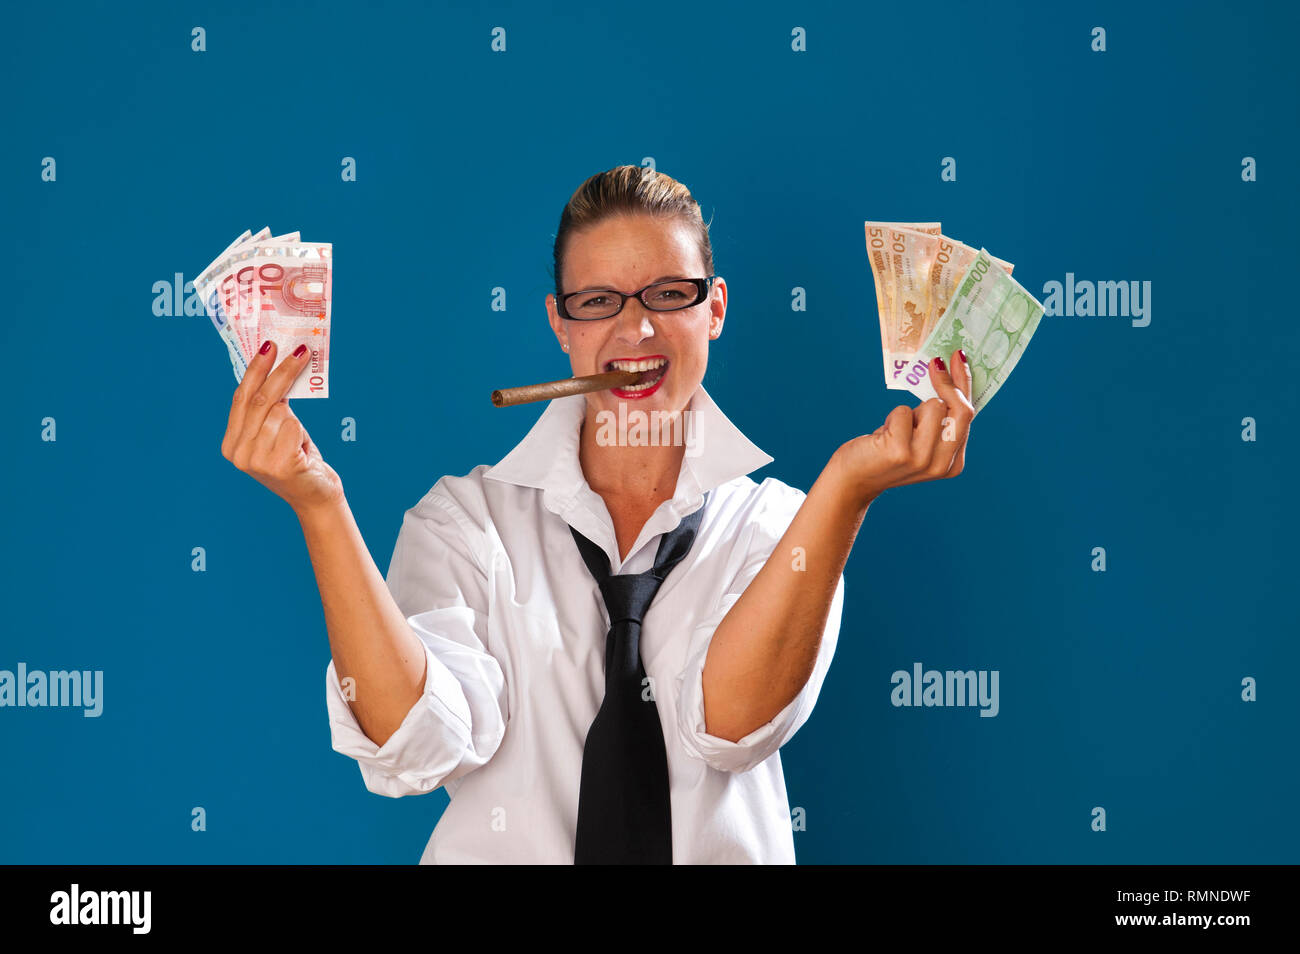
[[665, 397]]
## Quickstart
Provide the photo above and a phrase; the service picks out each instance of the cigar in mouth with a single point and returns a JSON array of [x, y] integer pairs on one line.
[[554, 389]]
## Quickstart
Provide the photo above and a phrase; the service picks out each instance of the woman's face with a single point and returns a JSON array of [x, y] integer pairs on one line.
[[626, 253]]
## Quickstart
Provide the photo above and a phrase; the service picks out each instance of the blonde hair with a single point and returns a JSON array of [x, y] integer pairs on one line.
[[629, 190]]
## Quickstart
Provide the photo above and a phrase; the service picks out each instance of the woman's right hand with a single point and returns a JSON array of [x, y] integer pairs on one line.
[[266, 440]]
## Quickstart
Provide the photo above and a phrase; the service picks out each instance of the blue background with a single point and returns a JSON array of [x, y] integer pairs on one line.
[[1118, 689]]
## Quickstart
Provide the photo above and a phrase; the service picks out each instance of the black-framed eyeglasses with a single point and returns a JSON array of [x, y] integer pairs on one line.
[[595, 303]]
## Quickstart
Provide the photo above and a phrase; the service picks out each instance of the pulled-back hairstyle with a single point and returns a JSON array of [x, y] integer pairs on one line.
[[629, 190]]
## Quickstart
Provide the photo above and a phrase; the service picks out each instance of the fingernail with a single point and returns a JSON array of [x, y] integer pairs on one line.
[[299, 351], [266, 346], [938, 363], [964, 359]]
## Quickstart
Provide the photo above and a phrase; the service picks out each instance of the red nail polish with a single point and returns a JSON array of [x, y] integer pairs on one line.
[[299, 351], [938, 363], [964, 359], [266, 346]]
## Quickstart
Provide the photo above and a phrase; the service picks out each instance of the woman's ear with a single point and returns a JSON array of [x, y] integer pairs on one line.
[[717, 307], [557, 323]]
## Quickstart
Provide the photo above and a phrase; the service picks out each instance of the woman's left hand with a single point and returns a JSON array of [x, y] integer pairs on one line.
[[927, 442]]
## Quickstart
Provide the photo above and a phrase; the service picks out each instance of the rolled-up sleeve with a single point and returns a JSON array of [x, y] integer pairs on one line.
[[761, 535], [437, 579]]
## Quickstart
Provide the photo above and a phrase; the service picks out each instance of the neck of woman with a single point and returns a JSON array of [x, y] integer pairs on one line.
[[628, 467]]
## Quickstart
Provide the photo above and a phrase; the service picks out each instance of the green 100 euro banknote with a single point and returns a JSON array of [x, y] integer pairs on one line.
[[991, 317]]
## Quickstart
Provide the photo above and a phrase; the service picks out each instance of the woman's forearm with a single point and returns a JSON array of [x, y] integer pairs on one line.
[[370, 640], [764, 650]]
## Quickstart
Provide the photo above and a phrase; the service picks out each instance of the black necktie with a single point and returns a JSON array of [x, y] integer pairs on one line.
[[624, 813]]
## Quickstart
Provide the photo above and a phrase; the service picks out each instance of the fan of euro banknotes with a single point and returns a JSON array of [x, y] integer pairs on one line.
[[935, 295], [278, 287]]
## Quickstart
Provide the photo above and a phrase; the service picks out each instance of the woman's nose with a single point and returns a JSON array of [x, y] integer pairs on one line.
[[633, 322]]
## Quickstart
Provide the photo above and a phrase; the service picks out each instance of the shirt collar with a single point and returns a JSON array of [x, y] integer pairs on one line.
[[547, 458]]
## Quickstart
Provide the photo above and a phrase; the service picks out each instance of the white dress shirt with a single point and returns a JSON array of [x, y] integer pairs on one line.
[[488, 575]]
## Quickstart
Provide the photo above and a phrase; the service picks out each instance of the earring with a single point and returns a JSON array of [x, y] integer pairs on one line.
[[564, 347]]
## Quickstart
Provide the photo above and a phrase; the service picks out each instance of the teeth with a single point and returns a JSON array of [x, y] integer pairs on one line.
[[643, 365]]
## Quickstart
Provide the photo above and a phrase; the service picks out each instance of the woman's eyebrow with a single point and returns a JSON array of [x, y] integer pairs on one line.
[[661, 278]]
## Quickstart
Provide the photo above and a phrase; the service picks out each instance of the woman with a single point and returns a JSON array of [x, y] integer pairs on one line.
[[498, 660]]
